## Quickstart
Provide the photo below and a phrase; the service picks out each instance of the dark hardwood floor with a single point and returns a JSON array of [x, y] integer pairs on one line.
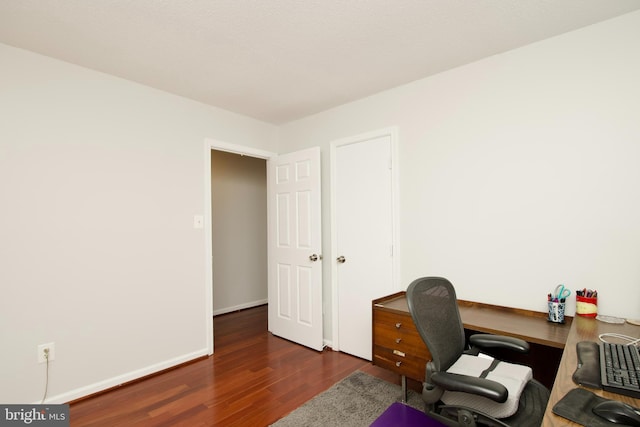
[[253, 379]]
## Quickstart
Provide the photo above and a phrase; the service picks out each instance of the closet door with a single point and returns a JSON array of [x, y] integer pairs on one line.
[[363, 237]]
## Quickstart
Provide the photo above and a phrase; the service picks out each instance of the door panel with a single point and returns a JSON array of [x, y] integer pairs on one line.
[[364, 234], [295, 280]]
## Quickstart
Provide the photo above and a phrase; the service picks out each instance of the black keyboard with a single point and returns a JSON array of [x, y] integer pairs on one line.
[[620, 369]]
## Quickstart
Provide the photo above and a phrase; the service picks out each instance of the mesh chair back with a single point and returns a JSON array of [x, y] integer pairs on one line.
[[434, 309]]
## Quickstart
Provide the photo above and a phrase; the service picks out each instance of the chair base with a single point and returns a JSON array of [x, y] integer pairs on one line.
[[533, 402]]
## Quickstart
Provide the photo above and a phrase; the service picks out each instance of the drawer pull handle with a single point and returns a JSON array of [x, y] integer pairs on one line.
[[399, 353], [398, 325], [398, 364], [398, 340]]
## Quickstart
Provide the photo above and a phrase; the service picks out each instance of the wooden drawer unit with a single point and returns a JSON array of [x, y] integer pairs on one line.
[[397, 346]]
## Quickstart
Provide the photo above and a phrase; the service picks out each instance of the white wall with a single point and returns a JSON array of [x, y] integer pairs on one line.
[[99, 182], [517, 172], [239, 231]]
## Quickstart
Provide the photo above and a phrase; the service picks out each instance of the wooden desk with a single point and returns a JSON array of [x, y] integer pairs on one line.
[[582, 329], [547, 339]]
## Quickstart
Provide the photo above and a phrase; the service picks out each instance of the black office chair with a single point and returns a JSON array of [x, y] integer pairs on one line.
[[456, 398]]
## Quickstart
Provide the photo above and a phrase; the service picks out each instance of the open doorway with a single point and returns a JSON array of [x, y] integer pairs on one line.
[[236, 178], [238, 231]]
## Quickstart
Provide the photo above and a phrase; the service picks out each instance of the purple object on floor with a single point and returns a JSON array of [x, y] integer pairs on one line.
[[401, 415]]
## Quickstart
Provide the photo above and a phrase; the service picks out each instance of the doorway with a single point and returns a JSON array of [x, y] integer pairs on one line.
[[231, 183], [238, 231], [308, 177]]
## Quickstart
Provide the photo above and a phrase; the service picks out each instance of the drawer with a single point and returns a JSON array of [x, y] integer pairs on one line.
[[409, 345], [410, 366], [393, 321], [397, 338]]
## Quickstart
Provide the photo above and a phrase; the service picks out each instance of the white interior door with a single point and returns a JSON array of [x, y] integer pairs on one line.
[[294, 259], [363, 235]]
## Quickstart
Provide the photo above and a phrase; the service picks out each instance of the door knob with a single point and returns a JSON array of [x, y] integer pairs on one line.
[[314, 257], [341, 259]]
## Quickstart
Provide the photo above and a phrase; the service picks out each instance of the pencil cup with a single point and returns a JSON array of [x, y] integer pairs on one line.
[[586, 306], [556, 311]]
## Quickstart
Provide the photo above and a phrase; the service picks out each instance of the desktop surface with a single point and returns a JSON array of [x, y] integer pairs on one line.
[[583, 329]]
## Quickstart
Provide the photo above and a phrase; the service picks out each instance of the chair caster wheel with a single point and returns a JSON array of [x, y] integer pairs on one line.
[[465, 418]]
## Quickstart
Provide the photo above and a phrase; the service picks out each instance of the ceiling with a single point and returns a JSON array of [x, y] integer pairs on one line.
[[280, 60]]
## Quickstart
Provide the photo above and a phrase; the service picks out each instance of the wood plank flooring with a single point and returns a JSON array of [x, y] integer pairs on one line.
[[253, 379]]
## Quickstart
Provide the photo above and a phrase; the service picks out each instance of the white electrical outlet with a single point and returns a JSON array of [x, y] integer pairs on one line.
[[46, 352]]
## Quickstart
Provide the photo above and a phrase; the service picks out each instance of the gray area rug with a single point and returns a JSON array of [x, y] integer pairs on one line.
[[353, 402]]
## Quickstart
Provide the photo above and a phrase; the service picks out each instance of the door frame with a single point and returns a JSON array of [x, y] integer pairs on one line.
[[209, 145], [392, 133]]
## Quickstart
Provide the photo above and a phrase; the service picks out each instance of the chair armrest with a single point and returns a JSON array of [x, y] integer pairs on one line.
[[499, 341], [466, 384]]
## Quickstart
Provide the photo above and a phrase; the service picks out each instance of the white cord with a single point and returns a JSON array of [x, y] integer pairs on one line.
[[46, 384], [632, 340]]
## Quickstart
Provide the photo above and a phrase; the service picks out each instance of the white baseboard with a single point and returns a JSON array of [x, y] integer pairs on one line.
[[239, 307], [124, 378]]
